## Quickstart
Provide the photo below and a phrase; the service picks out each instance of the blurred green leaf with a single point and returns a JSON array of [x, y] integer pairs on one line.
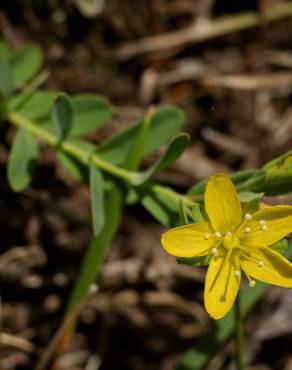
[[281, 246], [160, 206], [166, 122], [196, 213], [25, 63], [4, 50], [76, 169], [195, 261], [278, 175], [97, 199], [22, 158], [248, 196], [33, 105], [172, 153], [62, 115], [6, 87], [135, 154], [98, 247], [251, 206], [90, 112]]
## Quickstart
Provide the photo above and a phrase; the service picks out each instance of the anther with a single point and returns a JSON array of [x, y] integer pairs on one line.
[[261, 264], [252, 283], [262, 222], [214, 250], [237, 273], [229, 233], [247, 230], [264, 227], [206, 236], [218, 234], [248, 216]]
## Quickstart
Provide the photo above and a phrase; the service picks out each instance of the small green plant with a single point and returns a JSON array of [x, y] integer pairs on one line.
[[112, 168]]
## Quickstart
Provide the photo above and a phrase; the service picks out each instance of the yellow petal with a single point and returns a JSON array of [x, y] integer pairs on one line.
[[221, 285], [267, 226], [222, 203], [266, 265], [190, 240]]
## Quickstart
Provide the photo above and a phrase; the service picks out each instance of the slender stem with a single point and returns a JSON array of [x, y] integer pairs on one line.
[[239, 335], [81, 154], [87, 157]]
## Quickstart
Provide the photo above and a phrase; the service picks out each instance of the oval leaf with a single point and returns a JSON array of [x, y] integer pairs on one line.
[[25, 63], [173, 151], [90, 112], [62, 115], [6, 87], [21, 160], [97, 199], [33, 105], [166, 122]]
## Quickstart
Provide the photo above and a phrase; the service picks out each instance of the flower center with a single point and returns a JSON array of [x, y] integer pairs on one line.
[[230, 241]]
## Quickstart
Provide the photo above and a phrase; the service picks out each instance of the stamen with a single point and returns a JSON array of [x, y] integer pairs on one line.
[[264, 227], [229, 233], [261, 264], [218, 234], [262, 222], [248, 216], [206, 236], [247, 230], [214, 250], [237, 273], [252, 283]]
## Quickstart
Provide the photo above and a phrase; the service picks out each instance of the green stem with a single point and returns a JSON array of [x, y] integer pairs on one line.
[[239, 335], [81, 154], [86, 157]]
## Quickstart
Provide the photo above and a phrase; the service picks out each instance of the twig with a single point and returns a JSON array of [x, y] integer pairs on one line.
[[10, 340], [194, 34]]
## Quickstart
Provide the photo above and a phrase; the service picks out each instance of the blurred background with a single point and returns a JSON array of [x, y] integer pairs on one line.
[[233, 79]]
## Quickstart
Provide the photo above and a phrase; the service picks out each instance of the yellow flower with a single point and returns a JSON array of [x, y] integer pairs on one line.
[[236, 242]]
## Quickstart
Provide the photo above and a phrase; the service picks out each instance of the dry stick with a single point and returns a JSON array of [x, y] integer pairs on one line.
[[46, 358], [207, 31], [10, 340]]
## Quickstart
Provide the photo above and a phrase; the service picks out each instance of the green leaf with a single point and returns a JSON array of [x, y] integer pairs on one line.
[[25, 63], [33, 105], [90, 112], [166, 122], [62, 115], [76, 169], [21, 160], [160, 206], [250, 207], [248, 196], [98, 247], [97, 199], [278, 175], [196, 213], [6, 87], [195, 261], [172, 153], [281, 246], [135, 155], [4, 50]]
